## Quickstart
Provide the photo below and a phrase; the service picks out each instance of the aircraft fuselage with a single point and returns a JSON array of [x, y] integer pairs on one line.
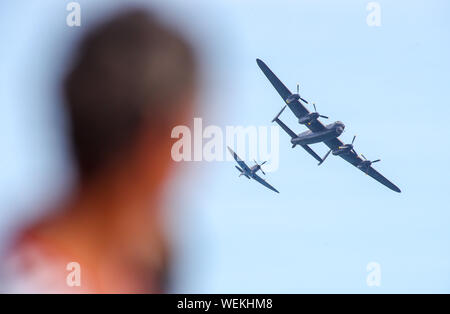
[[331, 131], [255, 168]]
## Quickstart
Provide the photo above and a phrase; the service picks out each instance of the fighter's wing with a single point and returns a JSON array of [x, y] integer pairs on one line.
[[264, 182], [296, 106], [239, 160], [354, 159]]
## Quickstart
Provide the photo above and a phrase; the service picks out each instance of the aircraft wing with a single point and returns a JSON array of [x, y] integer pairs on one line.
[[296, 106], [240, 162], [354, 159], [264, 182]]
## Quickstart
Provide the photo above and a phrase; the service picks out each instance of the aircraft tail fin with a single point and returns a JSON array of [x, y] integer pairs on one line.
[[276, 117], [325, 157]]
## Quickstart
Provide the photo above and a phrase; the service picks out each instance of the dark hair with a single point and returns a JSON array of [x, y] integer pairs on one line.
[[128, 71]]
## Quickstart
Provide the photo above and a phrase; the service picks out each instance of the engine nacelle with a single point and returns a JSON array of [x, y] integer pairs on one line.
[[363, 165], [340, 151], [292, 98], [308, 118]]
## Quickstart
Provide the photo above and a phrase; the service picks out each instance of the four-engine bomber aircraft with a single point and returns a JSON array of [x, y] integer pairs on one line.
[[250, 173], [319, 132]]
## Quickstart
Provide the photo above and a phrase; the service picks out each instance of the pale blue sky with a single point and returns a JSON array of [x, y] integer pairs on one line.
[[388, 84]]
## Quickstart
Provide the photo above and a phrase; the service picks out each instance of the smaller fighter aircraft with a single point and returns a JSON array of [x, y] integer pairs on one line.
[[250, 173]]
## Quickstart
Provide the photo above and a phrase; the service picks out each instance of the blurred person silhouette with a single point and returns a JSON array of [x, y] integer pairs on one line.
[[131, 81]]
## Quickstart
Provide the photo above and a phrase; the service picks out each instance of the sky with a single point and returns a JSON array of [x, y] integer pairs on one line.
[[388, 84]]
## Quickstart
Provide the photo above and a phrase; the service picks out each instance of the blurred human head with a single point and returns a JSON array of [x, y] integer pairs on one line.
[[132, 80]]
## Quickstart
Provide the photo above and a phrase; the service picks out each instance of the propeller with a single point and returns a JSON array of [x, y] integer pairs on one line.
[[343, 147], [259, 165], [315, 109], [324, 157], [365, 164], [349, 145], [298, 93], [371, 162]]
